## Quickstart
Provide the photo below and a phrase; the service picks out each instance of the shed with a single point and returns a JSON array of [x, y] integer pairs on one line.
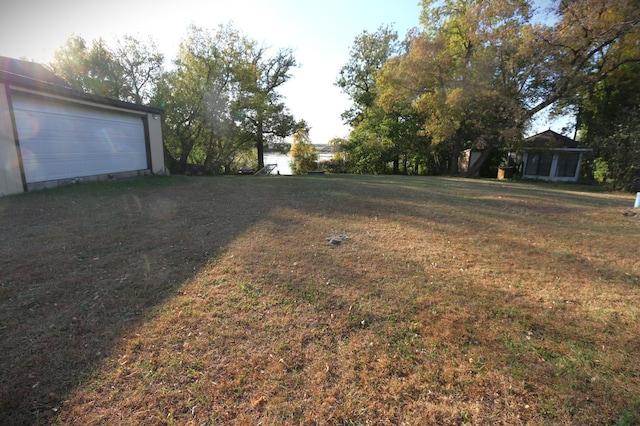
[[552, 156], [51, 134]]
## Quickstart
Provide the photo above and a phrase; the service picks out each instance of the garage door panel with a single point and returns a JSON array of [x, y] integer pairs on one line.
[[60, 140]]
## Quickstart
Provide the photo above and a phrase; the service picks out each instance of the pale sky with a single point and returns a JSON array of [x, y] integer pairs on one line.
[[320, 32]]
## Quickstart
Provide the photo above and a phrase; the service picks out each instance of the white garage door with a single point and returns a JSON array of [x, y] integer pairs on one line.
[[63, 140]]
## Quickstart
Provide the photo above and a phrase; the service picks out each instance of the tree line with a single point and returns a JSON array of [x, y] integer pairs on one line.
[[477, 73]]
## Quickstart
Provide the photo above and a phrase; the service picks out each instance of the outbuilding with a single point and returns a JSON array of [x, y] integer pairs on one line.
[[51, 134], [552, 156]]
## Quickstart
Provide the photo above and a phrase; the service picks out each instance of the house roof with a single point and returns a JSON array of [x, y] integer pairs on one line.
[[37, 73], [30, 75], [551, 140]]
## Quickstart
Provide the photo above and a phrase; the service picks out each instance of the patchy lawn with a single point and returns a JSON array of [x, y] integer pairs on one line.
[[222, 301]]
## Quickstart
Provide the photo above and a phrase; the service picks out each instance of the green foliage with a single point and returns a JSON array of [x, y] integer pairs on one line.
[[129, 72], [304, 156], [621, 169], [610, 124], [600, 170], [358, 77], [89, 68], [463, 73], [199, 126], [258, 107], [142, 67], [279, 146], [473, 76], [476, 74], [382, 135], [334, 166]]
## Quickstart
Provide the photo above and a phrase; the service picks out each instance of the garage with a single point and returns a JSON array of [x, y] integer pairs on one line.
[[62, 140], [51, 134]]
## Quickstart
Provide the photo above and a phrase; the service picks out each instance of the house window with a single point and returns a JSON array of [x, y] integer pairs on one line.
[[539, 164], [568, 164]]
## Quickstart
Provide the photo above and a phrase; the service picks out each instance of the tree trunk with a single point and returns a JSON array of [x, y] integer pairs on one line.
[[170, 163], [260, 145], [453, 161], [456, 149], [184, 156], [211, 152]]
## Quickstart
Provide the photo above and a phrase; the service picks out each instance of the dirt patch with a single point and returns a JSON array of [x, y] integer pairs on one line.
[[632, 215]]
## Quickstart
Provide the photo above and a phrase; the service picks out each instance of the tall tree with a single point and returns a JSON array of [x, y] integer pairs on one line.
[[619, 150], [89, 68], [372, 140], [142, 67], [357, 78], [591, 39], [129, 72], [259, 107], [198, 93], [609, 122], [464, 73], [70, 62]]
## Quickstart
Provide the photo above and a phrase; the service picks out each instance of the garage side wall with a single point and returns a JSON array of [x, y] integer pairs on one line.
[[156, 143], [10, 174]]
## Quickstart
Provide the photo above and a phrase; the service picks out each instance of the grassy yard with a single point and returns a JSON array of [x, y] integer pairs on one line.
[[220, 301]]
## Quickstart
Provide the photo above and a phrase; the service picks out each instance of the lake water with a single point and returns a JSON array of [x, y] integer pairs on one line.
[[283, 160]]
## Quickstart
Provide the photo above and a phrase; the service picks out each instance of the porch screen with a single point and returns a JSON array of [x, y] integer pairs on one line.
[[539, 164], [567, 164]]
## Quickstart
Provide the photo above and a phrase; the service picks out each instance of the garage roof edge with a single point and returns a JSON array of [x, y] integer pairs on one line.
[[43, 86]]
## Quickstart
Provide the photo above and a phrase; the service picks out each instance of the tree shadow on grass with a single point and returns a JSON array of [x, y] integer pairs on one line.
[[82, 266]]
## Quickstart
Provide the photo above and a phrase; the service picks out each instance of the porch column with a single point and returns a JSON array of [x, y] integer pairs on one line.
[[577, 175], [553, 172]]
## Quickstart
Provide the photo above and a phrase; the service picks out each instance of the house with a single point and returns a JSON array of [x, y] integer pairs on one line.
[[552, 156], [51, 134]]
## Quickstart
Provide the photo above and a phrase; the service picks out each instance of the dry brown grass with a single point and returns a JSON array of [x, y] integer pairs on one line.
[[219, 301]]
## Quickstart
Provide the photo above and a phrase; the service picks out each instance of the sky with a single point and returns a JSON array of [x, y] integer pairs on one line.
[[320, 32]]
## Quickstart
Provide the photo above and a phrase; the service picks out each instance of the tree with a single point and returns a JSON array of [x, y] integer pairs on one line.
[[592, 39], [589, 47], [371, 143], [357, 78], [304, 156], [463, 74], [130, 72], [70, 62], [338, 149], [259, 108], [89, 69], [220, 97], [609, 122], [620, 151], [198, 93], [141, 66]]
